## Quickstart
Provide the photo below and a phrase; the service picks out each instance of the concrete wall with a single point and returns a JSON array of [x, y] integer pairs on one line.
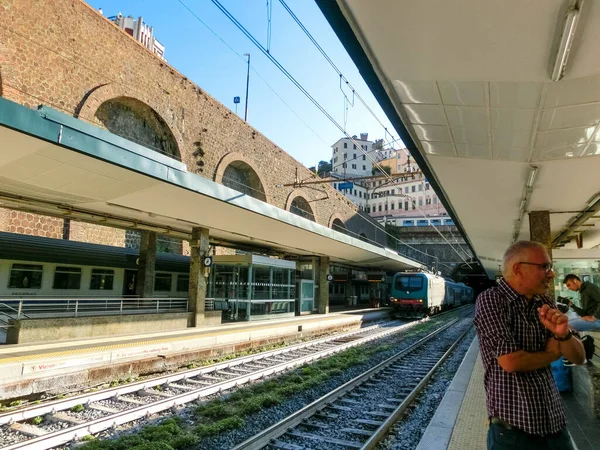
[[29, 331]]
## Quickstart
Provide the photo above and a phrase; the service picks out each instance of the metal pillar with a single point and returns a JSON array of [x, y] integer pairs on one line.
[[539, 231], [198, 274], [146, 265], [323, 300]]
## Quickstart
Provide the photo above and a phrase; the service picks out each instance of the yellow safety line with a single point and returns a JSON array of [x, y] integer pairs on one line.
[[75, 351]]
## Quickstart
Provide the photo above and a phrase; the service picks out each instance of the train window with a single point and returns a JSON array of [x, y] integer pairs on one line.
[[162, 282], [67, 277], [183, 283], [102, 280], [409, 283], [26, 276]]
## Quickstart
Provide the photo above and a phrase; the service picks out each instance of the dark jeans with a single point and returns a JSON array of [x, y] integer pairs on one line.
[[499, 438]]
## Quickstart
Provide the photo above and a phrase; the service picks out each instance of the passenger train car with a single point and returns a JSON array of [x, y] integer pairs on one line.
[[43, 267], [417, 294]]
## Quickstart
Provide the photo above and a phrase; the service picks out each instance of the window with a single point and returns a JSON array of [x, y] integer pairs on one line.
[[412, 188], [364, 157], [385, 207], [435, 200], [406, 205], [345, 145], [354, 166], [102, 280], [354, 145], [26, 276], [409, 283], [406, 190], [162, 282], [183, 282], [67, 277], [380, 207], [413, 205], [422, 223], [408, 223], [359, 194], [335, 185], [368, 209], [420, 187], [426, 186], [448, 222], [428, 201], [335, 159], [344, 165], [436, 222], [355, 192], [420, 201], [345, 155], [364, 167], [392, 206]]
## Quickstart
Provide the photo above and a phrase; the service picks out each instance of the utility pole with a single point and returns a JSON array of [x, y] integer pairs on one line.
[[247, 85]]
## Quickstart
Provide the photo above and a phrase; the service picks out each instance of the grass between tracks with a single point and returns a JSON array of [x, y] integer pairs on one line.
[[221, 415]]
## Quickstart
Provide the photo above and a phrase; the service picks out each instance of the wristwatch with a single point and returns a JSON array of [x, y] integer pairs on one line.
[[566, 338]]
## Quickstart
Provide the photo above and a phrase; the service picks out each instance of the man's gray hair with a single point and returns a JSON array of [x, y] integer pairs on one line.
[[515, 253]]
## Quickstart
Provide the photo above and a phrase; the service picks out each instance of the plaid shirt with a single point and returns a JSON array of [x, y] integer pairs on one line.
[[507, 322]]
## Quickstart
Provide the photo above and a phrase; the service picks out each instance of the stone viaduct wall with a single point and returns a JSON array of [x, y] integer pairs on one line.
[[66, 55]]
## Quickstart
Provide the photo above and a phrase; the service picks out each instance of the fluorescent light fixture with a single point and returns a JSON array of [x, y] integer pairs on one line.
[[531, 178], [594, 201], [566, 41]]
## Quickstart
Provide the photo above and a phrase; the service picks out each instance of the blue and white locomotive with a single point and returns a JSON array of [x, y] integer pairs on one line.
[[418, 294]]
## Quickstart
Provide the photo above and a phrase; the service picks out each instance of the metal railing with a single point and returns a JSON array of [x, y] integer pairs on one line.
[[30, 308]]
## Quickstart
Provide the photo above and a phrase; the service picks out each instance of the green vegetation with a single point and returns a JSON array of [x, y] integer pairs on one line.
[[88, 437], [77, 408], [37, 420], [15, 403], [224, 414]]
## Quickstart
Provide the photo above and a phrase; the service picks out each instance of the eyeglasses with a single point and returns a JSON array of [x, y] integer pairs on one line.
[[546, 266]]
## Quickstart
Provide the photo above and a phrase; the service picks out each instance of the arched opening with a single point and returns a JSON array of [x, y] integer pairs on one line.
[[137, 122], [338, 225], [240, 176], [302, 208]]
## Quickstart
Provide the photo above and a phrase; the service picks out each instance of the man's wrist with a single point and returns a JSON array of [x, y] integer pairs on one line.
[[564, 338]]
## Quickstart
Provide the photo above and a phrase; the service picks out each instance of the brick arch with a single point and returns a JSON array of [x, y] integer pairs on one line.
[[235, 157], [98, 95], [334, 218], [298, 198]]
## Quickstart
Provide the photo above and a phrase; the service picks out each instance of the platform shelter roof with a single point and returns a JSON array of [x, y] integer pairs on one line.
[[473, 89], [54, 164]]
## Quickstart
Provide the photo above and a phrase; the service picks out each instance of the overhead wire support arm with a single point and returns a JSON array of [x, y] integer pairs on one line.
[[338, 180]]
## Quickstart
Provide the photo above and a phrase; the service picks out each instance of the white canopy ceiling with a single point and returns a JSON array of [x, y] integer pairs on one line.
[[470, 80]]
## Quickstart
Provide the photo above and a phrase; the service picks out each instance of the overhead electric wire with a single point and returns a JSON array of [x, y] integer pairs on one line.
[[313, 100]]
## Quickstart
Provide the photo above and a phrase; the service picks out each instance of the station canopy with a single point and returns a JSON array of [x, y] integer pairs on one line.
[[499, 103], [54, 164]]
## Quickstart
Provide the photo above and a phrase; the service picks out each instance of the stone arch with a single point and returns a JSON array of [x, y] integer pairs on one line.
[[240, 173], [298, 204], [134, 120], [159, 112], [336, 223]]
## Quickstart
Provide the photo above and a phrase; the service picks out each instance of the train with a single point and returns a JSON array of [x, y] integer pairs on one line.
[[32, 266], [420, 294]]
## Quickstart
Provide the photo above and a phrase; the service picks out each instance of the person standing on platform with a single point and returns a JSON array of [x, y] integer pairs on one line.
[[520, 333], [589, 312]]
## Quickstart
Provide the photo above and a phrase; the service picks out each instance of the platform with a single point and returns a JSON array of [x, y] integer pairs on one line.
[[460, 421], [30, 368]]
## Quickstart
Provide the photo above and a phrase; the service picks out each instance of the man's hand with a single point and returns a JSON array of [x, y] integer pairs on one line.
[[589, 318], [554, 320]]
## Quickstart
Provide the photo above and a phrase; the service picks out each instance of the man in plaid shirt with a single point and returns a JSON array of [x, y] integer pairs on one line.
[[520, 333]]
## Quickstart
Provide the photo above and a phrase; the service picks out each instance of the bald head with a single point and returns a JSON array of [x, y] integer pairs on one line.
[[517, 252]]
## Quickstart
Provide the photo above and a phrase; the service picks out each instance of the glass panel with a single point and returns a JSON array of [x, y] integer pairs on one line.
[[67, 278], [409, 283], [183, 283], [102, 279], [307, 292], [281, 284], [162, 282], [25, 276], [261, 289]]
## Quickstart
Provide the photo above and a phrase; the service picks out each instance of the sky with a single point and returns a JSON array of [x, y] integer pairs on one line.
[[277, 108]]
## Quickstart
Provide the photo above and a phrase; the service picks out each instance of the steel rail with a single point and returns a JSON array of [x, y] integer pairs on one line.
[[62, 404], [76, 432], [381, 432], [262, 439]]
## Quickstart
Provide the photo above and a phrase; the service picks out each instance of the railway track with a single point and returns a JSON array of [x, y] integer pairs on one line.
[[70, 419], [358, 414]]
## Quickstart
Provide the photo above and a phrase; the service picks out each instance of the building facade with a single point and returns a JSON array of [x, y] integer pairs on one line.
[[141, 32]]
